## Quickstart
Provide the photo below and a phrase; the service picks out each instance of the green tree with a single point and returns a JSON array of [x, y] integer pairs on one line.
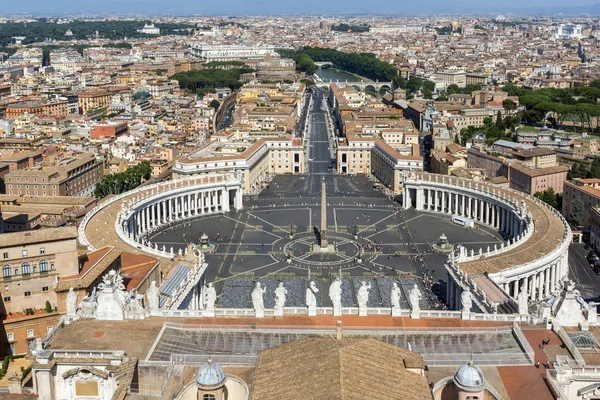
[[576, 215], [499, 121], [305, 64], [548, 196], [509, 105], [48, 307], [413, 85], [214, 104], [452, 89], [595, 168], [472, 87]]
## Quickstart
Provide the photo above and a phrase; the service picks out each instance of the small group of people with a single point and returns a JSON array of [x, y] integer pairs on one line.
[[545, 342], [433, 292], [547, 364]]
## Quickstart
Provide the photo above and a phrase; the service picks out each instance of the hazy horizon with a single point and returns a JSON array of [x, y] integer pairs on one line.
[[277, 7]]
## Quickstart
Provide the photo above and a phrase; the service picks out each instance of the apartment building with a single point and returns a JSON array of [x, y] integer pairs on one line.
[[583, 147], [108, 130], [493, 165], [372, 156], [257, 160], [32, 263], [58, 109], [443, 79], [588, 190], [530, 180], [73, 176], [93, 99]]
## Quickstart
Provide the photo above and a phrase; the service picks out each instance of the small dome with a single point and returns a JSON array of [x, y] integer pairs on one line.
[[469, 378], [210, 376]]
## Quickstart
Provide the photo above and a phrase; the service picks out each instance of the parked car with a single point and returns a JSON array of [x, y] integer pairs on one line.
[[592, 257]]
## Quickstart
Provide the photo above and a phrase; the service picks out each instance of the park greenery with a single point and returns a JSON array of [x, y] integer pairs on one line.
[[215, 64], [123, 181], [342, 27], [578, 104], [200, 81], [43, 29], [580, 170]]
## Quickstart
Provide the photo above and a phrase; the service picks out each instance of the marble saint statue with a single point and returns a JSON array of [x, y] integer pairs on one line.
[[363, 294], [71, 303], [335, 294], [522, 301], [257, 297], [280, 293], [153, 297], [311, 295], [210, 296], [466, 300], [415, 296], [395, 295]]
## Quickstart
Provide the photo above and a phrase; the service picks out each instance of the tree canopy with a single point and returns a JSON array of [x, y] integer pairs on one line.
[[123, 181], [210, 78]]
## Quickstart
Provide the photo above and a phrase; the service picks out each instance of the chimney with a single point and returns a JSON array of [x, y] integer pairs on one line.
[[338, 330]]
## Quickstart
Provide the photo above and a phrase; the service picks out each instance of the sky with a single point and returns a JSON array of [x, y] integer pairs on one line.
[[278, 7]]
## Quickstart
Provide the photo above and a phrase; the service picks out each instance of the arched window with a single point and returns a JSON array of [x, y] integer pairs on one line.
[[209, 397], [25, 268], [6, 271], [43, 265]]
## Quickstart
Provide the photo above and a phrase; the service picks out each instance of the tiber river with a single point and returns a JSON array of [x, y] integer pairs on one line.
[[331, 75]]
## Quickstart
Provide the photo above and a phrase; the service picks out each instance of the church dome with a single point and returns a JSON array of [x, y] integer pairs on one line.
[[469, 378], [210, 376]]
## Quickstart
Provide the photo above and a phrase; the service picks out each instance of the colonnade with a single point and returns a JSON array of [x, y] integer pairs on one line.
[[170, 207], [499, 209], [468, 205], [540, 283]]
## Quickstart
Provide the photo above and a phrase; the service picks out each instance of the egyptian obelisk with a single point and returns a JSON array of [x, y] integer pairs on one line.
[[323, 216]]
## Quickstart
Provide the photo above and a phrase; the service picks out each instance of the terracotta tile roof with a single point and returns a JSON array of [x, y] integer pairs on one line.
[[326, 368], [534, 172], [96, 264], [546, 236], [135, 267], [38, 236]]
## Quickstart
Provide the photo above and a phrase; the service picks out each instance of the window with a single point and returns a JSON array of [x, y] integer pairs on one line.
[[6, 271], [27, 294], [7, 299], [42, 250], [11, 336], [25, 268], [24, 253], [209, 397], [44, 288], [43, 265], [6, 255], [29, 332]]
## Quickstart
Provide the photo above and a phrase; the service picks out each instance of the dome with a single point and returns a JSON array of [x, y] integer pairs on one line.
[[469, 378], [210, 376]]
